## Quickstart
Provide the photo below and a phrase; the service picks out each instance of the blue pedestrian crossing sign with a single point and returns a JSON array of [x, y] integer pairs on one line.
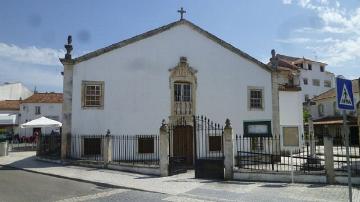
[[344, 94]]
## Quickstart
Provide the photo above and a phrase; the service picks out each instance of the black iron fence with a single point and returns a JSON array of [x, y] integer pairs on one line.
[[209, 139], [132, 149], [49, 146], [340, 161], [23, 143], [266, 154], [209, 148], [87, 147], [136, 149]]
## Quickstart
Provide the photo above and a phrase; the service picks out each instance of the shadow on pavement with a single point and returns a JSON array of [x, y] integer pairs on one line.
[[274, 185], [31, 162]]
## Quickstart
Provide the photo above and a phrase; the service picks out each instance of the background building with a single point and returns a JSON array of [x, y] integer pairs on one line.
[[313, 77], [14, 91], [38, 105], [328, 119]]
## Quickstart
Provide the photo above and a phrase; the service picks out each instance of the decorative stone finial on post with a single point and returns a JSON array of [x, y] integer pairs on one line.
[[227, 124], [68, 48], [274, 59], [108, 132], [163, 125]]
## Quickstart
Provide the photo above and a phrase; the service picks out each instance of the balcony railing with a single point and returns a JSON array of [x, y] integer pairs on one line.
[[183, 108]]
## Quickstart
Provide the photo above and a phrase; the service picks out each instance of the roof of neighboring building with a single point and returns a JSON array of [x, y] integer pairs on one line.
[[10, 105], [334, 120], [332, 92], [44, 98], [160, 30], [295, 60]]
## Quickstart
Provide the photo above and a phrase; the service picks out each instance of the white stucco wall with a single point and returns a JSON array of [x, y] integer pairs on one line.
[[315, 73], [137, 94], [49, 110], [328, 104], [14, 91], [291, 111]]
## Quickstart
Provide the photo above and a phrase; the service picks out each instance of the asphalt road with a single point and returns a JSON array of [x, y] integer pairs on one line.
[[19, 185]]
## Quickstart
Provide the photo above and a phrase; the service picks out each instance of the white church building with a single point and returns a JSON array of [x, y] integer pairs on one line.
[[175, 71]]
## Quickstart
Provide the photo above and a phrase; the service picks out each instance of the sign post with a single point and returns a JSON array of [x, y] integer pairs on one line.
[[345, 101]]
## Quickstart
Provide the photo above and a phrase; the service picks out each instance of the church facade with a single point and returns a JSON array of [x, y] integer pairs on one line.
[[175, 70]]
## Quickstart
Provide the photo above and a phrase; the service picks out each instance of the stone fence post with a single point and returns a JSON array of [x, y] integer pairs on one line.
[[164, 150], [228, 150], [107, 148], [329, 155]]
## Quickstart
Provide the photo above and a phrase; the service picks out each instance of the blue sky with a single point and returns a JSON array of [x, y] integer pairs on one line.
[[33, 33]]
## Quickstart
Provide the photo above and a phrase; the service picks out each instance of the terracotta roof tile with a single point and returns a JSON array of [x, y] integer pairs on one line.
[[44, 98], [10, 105]]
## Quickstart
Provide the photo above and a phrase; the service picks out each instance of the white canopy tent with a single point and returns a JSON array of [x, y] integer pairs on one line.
[[42, 122]]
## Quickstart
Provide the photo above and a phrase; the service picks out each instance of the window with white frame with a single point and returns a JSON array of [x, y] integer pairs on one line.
[[256, 98], [37, 110], [316, 82], [93, 94], [182, 92]]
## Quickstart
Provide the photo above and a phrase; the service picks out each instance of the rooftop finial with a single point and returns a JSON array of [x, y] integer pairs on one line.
[[68, 48], [181, 11], [274, 59]]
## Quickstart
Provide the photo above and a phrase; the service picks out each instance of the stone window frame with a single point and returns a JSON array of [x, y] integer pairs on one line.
[[249, 89], [102, 87], [316, 82]]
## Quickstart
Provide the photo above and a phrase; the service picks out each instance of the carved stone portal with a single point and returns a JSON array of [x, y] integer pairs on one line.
[[183, 85]]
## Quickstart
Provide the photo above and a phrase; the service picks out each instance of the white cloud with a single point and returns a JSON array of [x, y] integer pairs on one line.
[[337, 40], [32, 66], [294, 40], [33, 55]]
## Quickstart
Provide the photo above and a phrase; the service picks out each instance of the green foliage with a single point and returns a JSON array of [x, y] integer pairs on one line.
[[306, 115]]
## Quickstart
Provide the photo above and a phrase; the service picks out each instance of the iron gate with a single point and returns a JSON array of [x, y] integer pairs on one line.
[[181, 146], [209, 148]]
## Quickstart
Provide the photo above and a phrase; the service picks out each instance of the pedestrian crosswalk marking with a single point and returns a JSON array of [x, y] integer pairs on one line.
[[345, 98]]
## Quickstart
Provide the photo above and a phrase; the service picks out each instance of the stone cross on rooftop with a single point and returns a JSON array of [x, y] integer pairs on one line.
[[181, 11]]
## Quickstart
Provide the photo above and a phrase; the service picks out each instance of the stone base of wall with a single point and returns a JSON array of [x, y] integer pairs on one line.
[[286, 177], [136, 168], [279, 177]]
